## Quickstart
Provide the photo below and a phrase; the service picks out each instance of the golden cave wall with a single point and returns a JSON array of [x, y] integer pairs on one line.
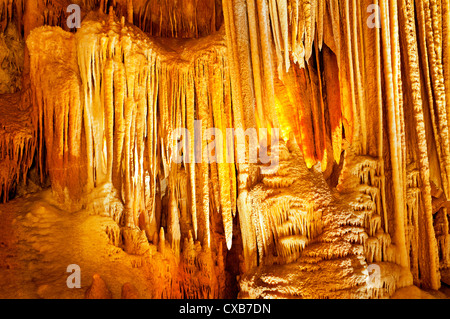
[[361, 106]]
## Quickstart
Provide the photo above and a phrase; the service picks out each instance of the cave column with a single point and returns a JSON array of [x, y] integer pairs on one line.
[[389, 29]]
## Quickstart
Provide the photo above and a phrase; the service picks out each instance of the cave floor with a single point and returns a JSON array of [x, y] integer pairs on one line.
[[38, 242]]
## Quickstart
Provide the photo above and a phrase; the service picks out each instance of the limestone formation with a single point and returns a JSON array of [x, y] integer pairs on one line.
[[294, 144], [98, 289]]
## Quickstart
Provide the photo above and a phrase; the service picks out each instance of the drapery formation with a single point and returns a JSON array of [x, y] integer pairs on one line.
[[111, 124]]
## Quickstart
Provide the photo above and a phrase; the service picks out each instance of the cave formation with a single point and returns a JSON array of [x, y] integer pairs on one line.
[[349, 99]]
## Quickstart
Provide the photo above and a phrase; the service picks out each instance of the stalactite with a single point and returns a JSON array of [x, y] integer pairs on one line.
[[187, 19], [239, 122], [434, 48], [54, 117], [203, 115], [17, 144], [394, 136], [221, 152], [190, 127], [414, 82], [333, 102]]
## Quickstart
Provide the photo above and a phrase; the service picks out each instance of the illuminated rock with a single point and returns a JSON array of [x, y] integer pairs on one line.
[[359, 92]]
